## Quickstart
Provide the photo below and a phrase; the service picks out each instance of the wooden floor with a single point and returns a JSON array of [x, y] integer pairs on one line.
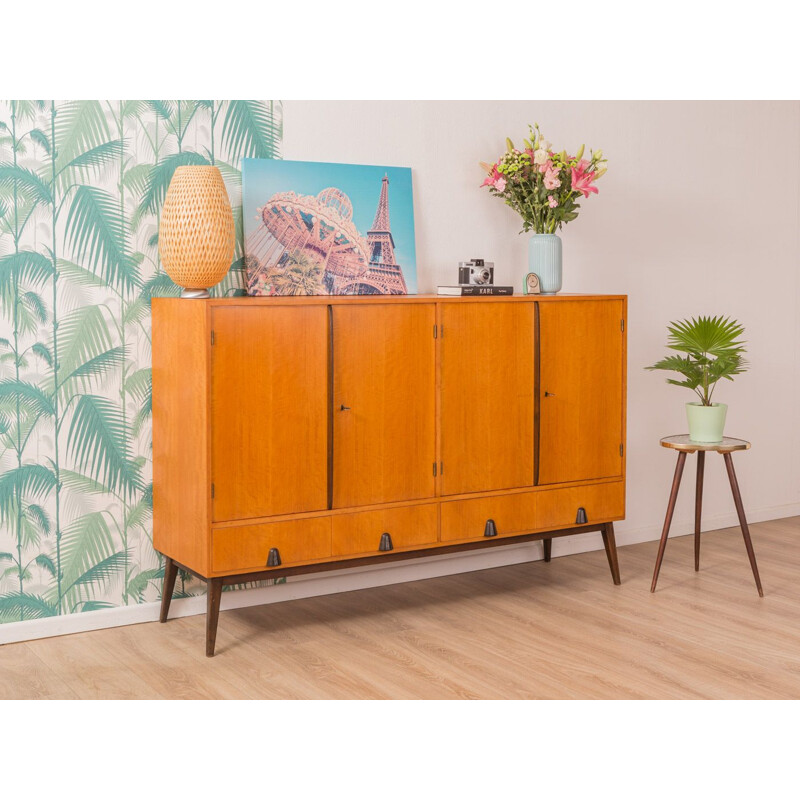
[[558, 630]]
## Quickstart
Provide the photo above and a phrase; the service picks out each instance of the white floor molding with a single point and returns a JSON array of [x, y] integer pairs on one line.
[[367, 577]]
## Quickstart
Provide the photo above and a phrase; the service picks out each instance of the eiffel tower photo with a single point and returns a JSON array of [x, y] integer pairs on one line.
[[385, 276], [305, 223]]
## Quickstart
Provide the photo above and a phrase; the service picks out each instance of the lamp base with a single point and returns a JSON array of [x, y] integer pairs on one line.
[[195, 294]]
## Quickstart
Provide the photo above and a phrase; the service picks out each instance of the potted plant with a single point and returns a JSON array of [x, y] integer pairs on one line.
[[713, 351], [544, 187]]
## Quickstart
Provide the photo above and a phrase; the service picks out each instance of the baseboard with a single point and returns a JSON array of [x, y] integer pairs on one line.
[[347, 580]]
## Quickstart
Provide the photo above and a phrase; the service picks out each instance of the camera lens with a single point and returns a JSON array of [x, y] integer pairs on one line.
[[482, 275]]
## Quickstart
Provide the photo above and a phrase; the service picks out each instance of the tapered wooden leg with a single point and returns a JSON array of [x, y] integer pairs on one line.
[[170, 573], [212, 613], [673, 496], [610, 544], [548, 548], [737, 500], [698, 507]]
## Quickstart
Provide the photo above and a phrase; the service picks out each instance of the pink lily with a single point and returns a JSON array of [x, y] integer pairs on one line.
[[582, 181], [492, 178]]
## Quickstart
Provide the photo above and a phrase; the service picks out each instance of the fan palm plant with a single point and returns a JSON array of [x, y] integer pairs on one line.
[[713, 351]]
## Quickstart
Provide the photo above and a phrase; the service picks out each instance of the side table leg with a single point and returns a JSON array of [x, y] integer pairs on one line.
[[610, 543], [212, 613], [170, 573], [698, 507], [737, 500], [548, 548], [673, 496]]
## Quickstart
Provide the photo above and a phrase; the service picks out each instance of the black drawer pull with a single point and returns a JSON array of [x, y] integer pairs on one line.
[[274, 557], [580, 517], [490, 528], [386, 543]]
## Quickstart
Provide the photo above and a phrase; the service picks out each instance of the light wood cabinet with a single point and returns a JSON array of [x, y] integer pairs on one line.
[[384, 400], [296, 435], [581, 390], [269, 411], [487, 395]]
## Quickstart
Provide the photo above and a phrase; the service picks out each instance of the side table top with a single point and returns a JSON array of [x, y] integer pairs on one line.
[[684, 443]]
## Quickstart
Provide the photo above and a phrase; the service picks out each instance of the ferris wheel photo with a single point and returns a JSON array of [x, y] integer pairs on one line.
[[319, 228]]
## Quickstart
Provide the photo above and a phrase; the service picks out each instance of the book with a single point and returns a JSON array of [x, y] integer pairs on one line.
[[465, 290]]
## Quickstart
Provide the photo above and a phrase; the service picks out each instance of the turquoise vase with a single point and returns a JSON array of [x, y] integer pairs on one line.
[[544, 258]]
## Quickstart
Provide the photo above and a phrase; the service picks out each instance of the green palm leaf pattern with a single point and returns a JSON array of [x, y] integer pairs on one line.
[[83, 336], [81, 126], [34, 480], [81, 188], [94, 231], [97, 443], [252, 129]]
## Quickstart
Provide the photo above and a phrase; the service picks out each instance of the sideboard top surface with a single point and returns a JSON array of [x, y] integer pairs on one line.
[[329, 299]]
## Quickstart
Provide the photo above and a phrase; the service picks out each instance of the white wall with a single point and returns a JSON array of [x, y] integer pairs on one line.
[[698, 214]]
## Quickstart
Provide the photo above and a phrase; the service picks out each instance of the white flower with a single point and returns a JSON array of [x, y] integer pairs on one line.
[[540, 156]]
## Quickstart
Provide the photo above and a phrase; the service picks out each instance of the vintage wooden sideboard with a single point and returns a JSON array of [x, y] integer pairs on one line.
[[302, 434]]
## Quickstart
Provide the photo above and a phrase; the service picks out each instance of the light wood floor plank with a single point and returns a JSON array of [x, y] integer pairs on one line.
[[560, 631]]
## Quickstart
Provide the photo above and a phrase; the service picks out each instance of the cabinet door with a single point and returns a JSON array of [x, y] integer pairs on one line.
[[487, 358], [269, 410], [384, 400], [581, 390]]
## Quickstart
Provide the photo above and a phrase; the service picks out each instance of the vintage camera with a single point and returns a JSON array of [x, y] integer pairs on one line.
[[475, 272]]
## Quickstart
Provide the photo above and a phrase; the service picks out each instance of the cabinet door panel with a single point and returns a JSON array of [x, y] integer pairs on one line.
[[581, 392], [384, 401], [269, 411], [487, 358]]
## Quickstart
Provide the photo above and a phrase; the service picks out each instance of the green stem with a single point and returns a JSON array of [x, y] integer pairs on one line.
[[18, 487], [212, 133], [121, 130], [56, 465]]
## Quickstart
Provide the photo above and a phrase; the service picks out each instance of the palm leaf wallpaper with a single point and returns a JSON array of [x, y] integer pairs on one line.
[[81, 189]]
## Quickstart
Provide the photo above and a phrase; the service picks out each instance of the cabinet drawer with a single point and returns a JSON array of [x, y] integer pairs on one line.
[[247, 547], [466, 519], [527, 512], [408, 527], [558, 508]]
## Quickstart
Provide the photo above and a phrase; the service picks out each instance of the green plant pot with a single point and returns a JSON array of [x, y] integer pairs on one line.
[[706, 423]]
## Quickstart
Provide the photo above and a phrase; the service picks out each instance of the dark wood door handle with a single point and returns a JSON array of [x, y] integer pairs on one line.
[[549, 394], [344, 407]]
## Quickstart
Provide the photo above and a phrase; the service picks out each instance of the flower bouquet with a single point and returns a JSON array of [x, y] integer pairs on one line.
[[544, 187]]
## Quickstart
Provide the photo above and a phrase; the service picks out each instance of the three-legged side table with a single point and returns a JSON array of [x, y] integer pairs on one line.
[[683, 444]]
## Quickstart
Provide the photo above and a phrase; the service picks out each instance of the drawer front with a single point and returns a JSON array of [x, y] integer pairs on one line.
[[527, 512], [466, 519], [247, 547], [558, 508], [409, 527]]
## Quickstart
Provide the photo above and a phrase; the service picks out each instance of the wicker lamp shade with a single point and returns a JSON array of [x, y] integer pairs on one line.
[[196, 237]]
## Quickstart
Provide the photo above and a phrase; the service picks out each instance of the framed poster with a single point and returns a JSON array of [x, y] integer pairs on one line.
[[318, 228]]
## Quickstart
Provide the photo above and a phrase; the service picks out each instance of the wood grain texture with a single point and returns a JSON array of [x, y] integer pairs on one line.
[[248, 546], [581, 390], [535, 630], [531, 511], [487, 372], [602, 502], [270, 411], [409, 526], [384, 419], [181, 472]]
